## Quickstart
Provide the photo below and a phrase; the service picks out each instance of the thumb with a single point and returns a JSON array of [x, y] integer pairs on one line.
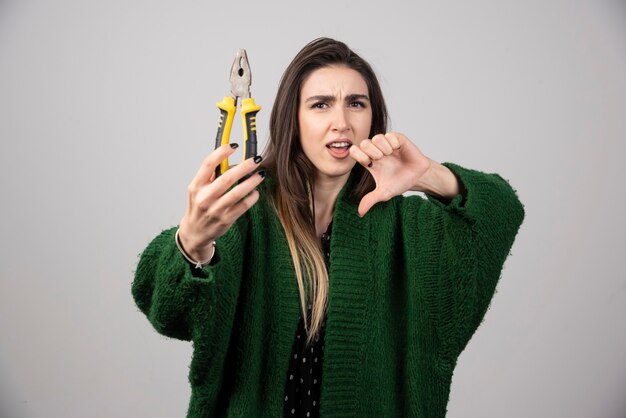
[[368, 201]]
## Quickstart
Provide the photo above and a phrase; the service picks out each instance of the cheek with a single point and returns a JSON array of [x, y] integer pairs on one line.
[[310, 130], [364, 127], [303, 134], [304, 126], [306, 137]]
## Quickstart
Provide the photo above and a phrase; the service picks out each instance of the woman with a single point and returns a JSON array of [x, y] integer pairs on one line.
[[314, 287]]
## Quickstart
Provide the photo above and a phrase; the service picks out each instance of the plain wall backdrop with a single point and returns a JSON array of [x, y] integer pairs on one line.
[[108, 108]]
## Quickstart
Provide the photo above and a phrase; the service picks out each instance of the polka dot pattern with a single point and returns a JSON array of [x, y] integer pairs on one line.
[[304, 377], [302, 392]]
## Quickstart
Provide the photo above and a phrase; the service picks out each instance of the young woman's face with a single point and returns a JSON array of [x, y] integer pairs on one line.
[[334, 113]]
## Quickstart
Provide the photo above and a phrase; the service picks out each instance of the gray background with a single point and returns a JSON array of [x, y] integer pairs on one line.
[[107, 109]]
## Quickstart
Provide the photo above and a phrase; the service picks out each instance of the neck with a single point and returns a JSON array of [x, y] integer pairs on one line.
[[324, 196]]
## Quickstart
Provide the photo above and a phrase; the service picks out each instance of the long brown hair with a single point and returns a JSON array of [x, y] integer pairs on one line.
[[295, 174]]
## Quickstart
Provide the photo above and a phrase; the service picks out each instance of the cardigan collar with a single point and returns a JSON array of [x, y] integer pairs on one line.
[[350, 282], [351, 279]]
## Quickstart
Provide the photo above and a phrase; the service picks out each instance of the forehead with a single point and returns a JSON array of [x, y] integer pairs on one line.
[[334, 80]]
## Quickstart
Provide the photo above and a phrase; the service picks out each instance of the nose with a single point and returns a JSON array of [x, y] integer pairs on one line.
[[341, 122]]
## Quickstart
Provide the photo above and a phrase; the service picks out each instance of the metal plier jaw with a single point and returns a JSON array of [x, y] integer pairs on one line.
[[240, 81]]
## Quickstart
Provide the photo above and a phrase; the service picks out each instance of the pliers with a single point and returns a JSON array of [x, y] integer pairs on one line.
[[240, 81]]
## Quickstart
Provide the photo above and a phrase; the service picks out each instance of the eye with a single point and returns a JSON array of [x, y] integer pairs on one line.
[[358, 104], [319, 105]]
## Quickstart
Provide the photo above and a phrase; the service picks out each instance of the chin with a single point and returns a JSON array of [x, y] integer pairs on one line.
[[336, 170]]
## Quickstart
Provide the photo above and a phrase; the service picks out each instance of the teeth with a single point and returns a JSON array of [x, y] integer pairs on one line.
[[340, 144]]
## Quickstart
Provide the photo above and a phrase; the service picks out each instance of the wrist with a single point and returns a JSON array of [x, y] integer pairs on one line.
[[438, 181], [198, 258]]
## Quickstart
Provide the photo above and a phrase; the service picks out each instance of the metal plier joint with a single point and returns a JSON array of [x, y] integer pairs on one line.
[[240, 81]]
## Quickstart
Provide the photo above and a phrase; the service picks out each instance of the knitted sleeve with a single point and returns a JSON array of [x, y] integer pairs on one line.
[[175, 296], [470, 238]]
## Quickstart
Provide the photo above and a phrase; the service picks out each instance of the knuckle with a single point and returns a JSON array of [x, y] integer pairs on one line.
[[251, 199], [214, 220], [223, 223], [229, 177], [208, 160], [254, 196], [392, 138]]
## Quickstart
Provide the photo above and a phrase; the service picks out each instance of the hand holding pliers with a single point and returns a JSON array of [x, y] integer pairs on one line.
[[240, 81]]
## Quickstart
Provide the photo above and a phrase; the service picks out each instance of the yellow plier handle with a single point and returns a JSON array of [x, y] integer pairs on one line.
[[227, 109], [240, 81]]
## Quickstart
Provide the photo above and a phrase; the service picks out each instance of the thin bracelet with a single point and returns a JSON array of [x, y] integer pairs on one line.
[[198, 264]]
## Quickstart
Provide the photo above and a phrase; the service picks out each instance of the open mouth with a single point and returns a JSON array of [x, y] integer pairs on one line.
[[339, 149], [339, 145]]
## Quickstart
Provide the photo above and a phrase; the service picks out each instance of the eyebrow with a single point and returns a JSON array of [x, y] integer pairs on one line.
[[329, 98]]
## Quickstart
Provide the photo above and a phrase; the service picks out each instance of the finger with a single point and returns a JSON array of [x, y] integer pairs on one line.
[[207, 170], [366, 203], [375, 196], [382, 143], [238, 193], [394, 140], [244, 205], [357, 154], [371, 150], [224, 220], [233, 175], [206, 196]]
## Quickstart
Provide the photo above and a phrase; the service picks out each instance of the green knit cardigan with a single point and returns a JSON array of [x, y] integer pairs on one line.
[[410, 282]]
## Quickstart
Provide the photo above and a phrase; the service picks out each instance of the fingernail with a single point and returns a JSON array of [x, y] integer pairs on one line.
[[261, 173], [370, 164], [258, 159], [234, 145]]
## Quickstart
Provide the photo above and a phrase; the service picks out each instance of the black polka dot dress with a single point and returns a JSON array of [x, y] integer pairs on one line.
[[304, 378]]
